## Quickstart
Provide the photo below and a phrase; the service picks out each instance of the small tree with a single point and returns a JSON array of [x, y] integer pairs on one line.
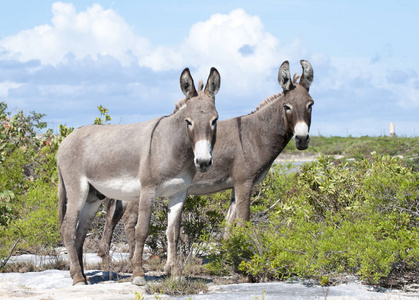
[[105, 117]]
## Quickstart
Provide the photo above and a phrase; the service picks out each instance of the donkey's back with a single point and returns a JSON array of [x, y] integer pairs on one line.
[[108, 157]]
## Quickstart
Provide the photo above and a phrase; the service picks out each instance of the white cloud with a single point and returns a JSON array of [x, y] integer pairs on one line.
[[82, 59], [220, 39], [5, 86], [236, 44], [96, 31], [408, 96]]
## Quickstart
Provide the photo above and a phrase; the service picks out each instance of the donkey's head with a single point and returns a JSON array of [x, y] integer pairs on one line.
[[201, 116], [297, 102]]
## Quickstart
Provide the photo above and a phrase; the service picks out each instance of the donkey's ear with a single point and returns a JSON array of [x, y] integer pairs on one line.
[[213, 83], [284, 76], [308, 74], [187, 85]]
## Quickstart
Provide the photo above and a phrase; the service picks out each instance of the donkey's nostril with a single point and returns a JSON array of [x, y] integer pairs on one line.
[[203, 164], [304, 138]]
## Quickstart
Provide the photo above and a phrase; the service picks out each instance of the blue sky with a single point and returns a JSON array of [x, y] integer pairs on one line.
[[66, 58]]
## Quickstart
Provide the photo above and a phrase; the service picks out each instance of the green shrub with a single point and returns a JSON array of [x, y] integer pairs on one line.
[[201, 216], [333, 217], [339, 217], [28, 218], [36, 229], [360, 147]]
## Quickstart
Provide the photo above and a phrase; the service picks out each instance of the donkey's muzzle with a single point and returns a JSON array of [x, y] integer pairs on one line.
[[203, 165], [203, 155], [302, 137], [302, 141]]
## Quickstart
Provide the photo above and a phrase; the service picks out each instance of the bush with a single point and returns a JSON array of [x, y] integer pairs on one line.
[[201, 216], [333, 217], [338, 217], [28, 218], [360, 147]]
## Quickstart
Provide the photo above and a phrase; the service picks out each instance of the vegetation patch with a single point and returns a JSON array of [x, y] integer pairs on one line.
[[333, 218], [337, 218], [176, 286], [361, 147]]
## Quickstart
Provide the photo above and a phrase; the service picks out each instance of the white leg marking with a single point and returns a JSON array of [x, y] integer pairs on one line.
[[175, 208]]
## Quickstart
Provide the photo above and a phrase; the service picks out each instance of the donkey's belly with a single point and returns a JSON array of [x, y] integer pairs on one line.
[[173, 186], [206, 187], [127, 189]]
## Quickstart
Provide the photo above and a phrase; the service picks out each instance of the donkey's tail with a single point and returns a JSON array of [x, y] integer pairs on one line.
[[62, 198]]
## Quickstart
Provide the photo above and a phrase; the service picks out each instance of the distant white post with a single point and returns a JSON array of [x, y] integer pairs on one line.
[[392, 130]]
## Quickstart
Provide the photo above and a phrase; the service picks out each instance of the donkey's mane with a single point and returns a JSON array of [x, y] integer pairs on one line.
[[274, 97], [181, 104], [266, 102]]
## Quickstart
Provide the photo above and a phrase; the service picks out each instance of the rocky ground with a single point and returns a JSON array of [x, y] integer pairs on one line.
[[56, 284]]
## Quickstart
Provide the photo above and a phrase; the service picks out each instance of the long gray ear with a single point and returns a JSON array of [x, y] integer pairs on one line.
[[213, 83], [308, 74], [187, 85], [284, 76]]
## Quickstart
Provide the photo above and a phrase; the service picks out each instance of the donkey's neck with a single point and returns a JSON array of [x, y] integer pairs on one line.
[[174, 139], [269, 128]]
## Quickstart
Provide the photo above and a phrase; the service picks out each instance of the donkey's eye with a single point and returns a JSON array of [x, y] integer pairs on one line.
[[287, 107], [188, 122], [310, 106], [214, 122]]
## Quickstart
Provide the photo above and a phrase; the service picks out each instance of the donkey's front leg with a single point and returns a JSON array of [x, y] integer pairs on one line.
[[239, 206], [141, 232], [173, 229], [231, 214]]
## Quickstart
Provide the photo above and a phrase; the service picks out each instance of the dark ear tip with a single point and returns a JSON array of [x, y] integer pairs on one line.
[[214, 70], [285, 66], [304, 62]]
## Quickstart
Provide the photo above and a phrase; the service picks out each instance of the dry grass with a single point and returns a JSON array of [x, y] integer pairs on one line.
[[23, 267], [178, 286]]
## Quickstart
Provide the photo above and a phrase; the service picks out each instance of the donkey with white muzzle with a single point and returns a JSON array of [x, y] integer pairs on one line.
[[138, 163]]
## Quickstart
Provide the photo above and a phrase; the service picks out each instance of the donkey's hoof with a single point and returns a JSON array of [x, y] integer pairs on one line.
[[80, 282], [139, 280]]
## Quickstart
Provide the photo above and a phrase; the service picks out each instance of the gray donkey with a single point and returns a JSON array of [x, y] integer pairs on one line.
[[245, 150], [138, 163]]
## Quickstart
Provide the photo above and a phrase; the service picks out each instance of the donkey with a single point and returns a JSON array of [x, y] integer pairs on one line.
[[245, 150], [137, 163]]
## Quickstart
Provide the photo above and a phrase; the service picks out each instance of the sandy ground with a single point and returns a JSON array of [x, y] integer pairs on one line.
[[56, 284]]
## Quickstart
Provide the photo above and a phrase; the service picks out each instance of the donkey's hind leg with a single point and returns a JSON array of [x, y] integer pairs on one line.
[[87, 215], [76, 198], [114, 211], [141, 231], [130, 219]]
